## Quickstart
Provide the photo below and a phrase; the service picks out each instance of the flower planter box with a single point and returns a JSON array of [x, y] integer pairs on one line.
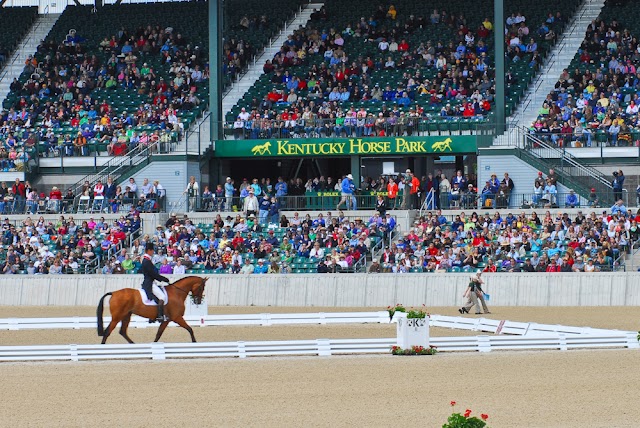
[[412, 331]]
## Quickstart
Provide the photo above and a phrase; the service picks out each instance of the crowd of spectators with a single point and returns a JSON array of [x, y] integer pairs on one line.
[[242, 245], [311, 102], [63, 246], [597, 102], [59, 94], [314, 98], [514, 243]]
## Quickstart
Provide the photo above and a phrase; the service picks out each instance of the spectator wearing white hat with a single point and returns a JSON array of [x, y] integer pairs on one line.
[[348, 190]]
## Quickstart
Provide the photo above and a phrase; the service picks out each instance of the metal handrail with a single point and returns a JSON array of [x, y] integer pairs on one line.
[[115, 165], [566, 157]]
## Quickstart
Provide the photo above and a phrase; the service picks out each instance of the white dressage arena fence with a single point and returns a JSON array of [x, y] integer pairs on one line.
[[319, 347], [508, 335], [267, 319], [321, 318]]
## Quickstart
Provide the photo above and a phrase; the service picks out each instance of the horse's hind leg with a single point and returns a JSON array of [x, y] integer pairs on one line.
[[124, 326], [110, 328], [163, 325], [182, 323]]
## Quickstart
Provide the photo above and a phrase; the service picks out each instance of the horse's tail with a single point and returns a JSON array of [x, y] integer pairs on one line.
[[99, 314]]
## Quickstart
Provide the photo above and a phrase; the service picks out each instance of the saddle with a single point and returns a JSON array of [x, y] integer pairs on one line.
[[160, 291]]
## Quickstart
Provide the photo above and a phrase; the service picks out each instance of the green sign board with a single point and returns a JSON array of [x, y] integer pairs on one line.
[[418, 145]]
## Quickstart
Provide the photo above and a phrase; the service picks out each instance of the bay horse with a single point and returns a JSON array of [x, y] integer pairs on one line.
[[126, 302]]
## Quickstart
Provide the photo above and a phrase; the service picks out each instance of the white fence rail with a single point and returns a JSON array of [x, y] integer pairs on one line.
[[321, 347], [268, 319], [513, 327], [321, 318]]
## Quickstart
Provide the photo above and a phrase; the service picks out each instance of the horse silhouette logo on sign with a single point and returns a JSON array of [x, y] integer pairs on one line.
[[442, 146], [261, 149]]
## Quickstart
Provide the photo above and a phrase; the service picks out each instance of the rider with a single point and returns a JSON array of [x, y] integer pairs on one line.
[[150, 273]]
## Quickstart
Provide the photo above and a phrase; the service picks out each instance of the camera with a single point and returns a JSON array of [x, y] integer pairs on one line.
[[615, 173]]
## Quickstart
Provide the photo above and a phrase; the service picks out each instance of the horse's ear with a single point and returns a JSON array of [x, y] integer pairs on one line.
[[205, 280]]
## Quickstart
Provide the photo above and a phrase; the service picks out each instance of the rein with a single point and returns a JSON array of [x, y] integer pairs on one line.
[[177, 288], [185, 292]]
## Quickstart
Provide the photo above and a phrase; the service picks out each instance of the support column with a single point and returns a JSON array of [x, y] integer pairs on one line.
[[215, 69], [498, 27], [355, 170]]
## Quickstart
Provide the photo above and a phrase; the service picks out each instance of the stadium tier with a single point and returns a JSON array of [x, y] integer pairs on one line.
[[15, 22], [595, 101], [432, 61]]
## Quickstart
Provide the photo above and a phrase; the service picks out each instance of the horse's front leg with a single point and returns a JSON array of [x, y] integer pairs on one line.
[[161, 330], [182, 323]]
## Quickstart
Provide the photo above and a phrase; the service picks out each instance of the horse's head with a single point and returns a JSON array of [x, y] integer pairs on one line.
[[197, 290]]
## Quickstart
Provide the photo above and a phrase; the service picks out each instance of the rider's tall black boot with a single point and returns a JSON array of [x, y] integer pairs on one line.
[[160, 317]]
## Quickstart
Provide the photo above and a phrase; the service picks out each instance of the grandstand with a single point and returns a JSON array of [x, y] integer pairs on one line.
[[114, 121]]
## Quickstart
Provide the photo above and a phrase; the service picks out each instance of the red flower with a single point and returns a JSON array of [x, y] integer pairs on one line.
[[484, 416], [467, 413], [453, 403]]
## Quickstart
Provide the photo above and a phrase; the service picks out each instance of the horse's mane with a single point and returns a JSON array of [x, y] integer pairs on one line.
[[185, 278]]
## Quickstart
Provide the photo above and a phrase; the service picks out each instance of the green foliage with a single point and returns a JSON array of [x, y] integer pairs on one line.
[[414, 350], [457, 420]]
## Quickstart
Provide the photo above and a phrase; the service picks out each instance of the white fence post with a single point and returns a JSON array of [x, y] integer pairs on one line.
[[484, 344], [562, 340], [324, 347], [323, 318], [265, 319], [241, 350], [74, 352], [157, 351], [632, 340]]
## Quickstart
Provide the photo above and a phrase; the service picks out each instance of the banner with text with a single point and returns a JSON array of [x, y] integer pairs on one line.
[[419, 145]]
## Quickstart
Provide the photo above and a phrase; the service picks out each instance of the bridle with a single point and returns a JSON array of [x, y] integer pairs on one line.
[[200, 287]]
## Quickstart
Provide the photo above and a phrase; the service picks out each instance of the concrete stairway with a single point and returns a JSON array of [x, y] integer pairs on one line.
[[558, 59], [196, 140], [27, 46], [255, 70]]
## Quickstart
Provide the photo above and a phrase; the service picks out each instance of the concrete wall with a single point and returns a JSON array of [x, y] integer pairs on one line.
[[520, 172], [361, 290]]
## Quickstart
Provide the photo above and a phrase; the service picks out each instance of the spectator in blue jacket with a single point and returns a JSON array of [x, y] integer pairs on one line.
[[572, 200], [619, 208], [348, 190], [281, 188], [264, 206], [228, 194]]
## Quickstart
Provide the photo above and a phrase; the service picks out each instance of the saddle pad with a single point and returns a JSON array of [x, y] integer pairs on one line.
[[159, 291]]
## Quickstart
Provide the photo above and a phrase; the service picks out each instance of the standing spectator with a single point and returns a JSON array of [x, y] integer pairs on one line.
[[348, 189], [444, 188], [617, 184], [265, 204], [508, 182], [414, 188], [228, 194], [392, 193], [19, 195], [192, 191], [250, 204], [274, 210]]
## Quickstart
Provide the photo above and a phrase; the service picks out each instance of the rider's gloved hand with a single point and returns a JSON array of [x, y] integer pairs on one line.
[[165, 279]]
